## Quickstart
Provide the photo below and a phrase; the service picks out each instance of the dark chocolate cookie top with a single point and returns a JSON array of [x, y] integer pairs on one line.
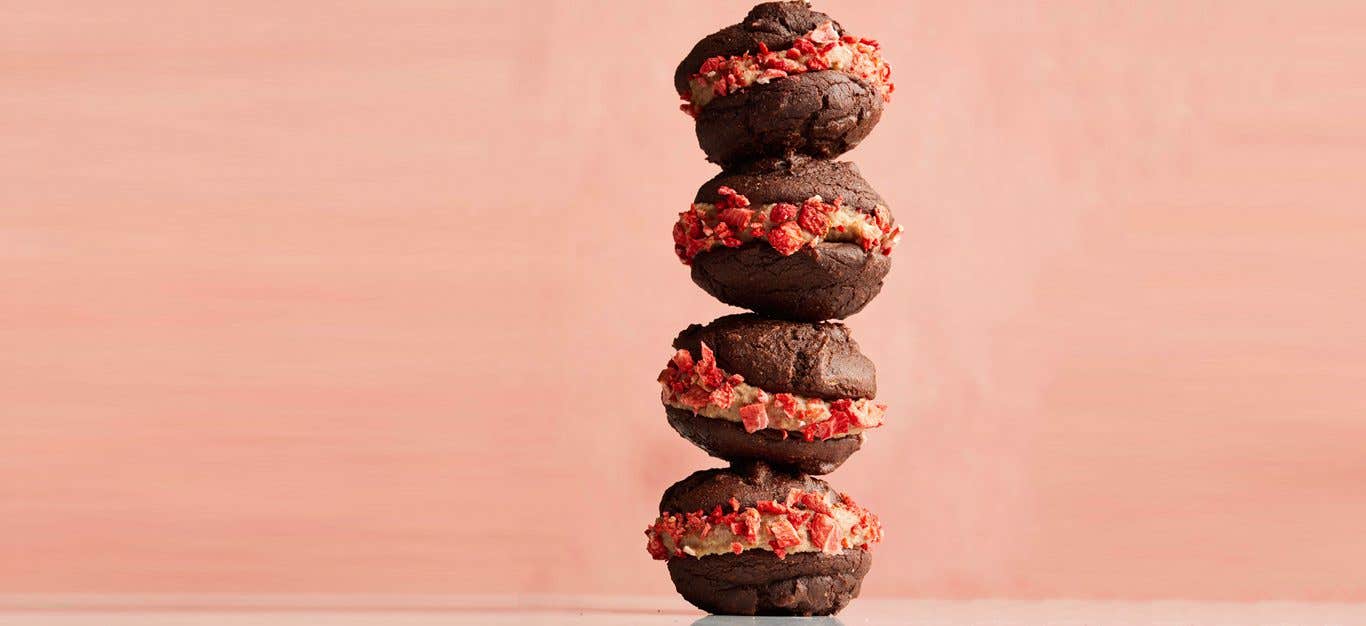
[[818, 359], [747, 482], [794, 180], [774, 24]]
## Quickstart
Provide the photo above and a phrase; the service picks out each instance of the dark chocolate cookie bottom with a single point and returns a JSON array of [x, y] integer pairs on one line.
[[756, 582], [728, 440], [827, 281]]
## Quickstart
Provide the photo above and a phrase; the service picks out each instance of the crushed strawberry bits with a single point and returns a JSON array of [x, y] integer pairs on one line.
[[821, 49], [733, 222], [804, 522], [705, 389]]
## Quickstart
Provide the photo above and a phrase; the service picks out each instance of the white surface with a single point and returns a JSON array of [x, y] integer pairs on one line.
[[372, 610]]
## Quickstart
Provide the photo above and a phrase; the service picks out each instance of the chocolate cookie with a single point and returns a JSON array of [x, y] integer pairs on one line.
[[755, 540], [795, 238], [794, 179], [823, 114], [794, 394], [785, 80], [820, 359]]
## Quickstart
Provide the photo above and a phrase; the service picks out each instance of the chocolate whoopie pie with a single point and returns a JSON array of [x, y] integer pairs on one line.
[[793, 394], [795, 238], [755, 540], [785, 80]]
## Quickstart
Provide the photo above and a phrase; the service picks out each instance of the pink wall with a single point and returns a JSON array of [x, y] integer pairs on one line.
[[371, 295]]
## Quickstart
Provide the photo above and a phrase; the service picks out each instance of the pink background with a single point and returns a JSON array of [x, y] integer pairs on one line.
[[370, 296]]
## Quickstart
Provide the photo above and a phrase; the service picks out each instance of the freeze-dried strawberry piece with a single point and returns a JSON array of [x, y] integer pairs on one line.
[[754, 416], [769, 506], [820, 430], [736, 218], [722, 396], [708, 374], [734, 504], [683, 359], [736, 547], [814, 220], [697, 523], [712, 64], [823, 535], [798, 518], [782, 212], [815, 502], [786, 238], [804, 45], [841, 413], [784, 535], [680, 234], [747, 526], [731, 198], [656, 547], [693, 248], [695, 399], [787, 403]]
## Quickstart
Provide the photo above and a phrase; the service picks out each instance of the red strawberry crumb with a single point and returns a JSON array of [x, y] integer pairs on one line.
[[815, 502], [712, 64], [683, 359], [784, 535], [737, 218], [769, 506], [656, 547], [814, 220], [786, 238], [822, 533], [754, 417], [722, 396], [786, 402], [695, 398], [782, 212]]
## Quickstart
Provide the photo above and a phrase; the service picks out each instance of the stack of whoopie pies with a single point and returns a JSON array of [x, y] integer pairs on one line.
[[780, 393]]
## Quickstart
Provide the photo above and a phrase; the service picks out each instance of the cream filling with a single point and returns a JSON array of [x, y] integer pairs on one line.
[[857, 59], [849, 533], [806, 411], [847, 224]]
